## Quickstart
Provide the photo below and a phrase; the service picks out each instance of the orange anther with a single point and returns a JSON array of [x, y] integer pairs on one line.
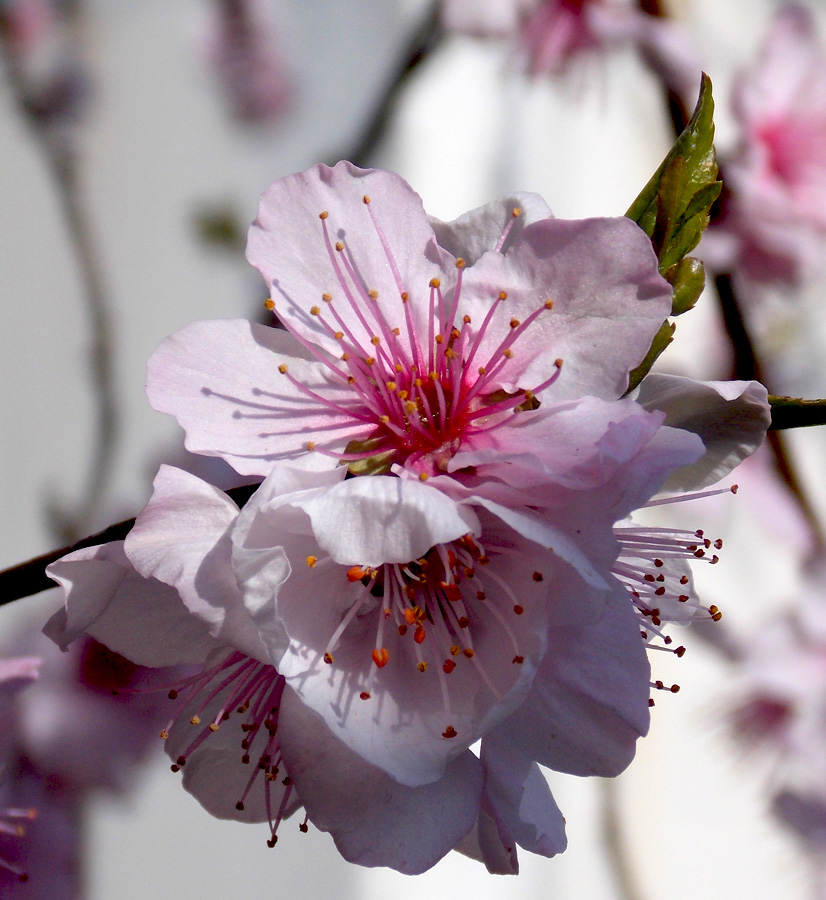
[[380, 657]]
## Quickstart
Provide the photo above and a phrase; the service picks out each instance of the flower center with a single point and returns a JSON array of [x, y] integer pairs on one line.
[[242, 687], [429, 611], [418, 396]]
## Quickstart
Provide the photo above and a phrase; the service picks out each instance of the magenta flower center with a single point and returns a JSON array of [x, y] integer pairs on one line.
[[420, 396]]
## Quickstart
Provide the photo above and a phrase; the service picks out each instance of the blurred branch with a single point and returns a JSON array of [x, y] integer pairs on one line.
[[49, 128], [612, 836], [421, 45]]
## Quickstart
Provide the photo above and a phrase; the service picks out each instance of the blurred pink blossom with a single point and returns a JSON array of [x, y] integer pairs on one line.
[[549, 35], [774, 218]]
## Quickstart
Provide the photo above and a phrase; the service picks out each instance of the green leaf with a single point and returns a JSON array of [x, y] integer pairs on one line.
[[661, 340], [673, 210], [688, 279], [792, 412]]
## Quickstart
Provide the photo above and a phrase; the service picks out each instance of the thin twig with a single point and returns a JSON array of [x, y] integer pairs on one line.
[[61, 162], [612, 836], [421, 45]]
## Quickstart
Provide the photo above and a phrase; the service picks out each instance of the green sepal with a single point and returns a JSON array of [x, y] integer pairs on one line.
[[793, 412], [688, 279], [673, 210], [661, 340], [377, 464]]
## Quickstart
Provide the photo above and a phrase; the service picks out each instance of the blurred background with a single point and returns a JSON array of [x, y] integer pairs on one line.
[[125, 193]]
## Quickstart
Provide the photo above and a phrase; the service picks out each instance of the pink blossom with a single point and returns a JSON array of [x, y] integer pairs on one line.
[[775, 219], [237, 733], [413, 338], [484, 582], [549, 35]]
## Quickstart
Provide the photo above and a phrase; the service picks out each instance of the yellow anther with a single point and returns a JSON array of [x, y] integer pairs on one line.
[[310, 445], [390, 385], [435, 282], [365, 198], [369, 360], [311, 561], [314, 311], [460, 263], [269, 303], [558, 363], [339, 335], [345, 357], [328, 658], [422, 666], [195, 720], [410, 406], [549, 304], [375, 340], [405, 297], [516, 212], [507, 353], [373, 295], [440, 339], [503, 295], [283, 368], [384, 419], [323, 215], [423, 476], [481, 370], [433, 376], [327, 298], [515, 323], [339, 246]]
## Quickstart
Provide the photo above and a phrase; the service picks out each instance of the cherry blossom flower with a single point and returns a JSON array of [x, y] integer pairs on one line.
[[549, 35], [409, 339], [774, 224], [237, 733]]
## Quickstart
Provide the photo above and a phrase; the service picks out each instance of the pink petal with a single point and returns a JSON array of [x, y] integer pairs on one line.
[[589, 700], [388, 242], [182, 538], [140, 618], [222, 383], [482, 229], [608, 303], [731, 418], [374, 820]]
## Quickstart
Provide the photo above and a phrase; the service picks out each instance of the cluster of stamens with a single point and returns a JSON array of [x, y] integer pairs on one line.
[[12, 823], [417, 395], [251, 690], [652, 563], [434, 602]]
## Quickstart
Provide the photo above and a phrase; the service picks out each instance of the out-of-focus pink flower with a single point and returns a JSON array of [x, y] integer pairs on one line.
[[783, 706], [245, 54], [774, 224], [550, 35]]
